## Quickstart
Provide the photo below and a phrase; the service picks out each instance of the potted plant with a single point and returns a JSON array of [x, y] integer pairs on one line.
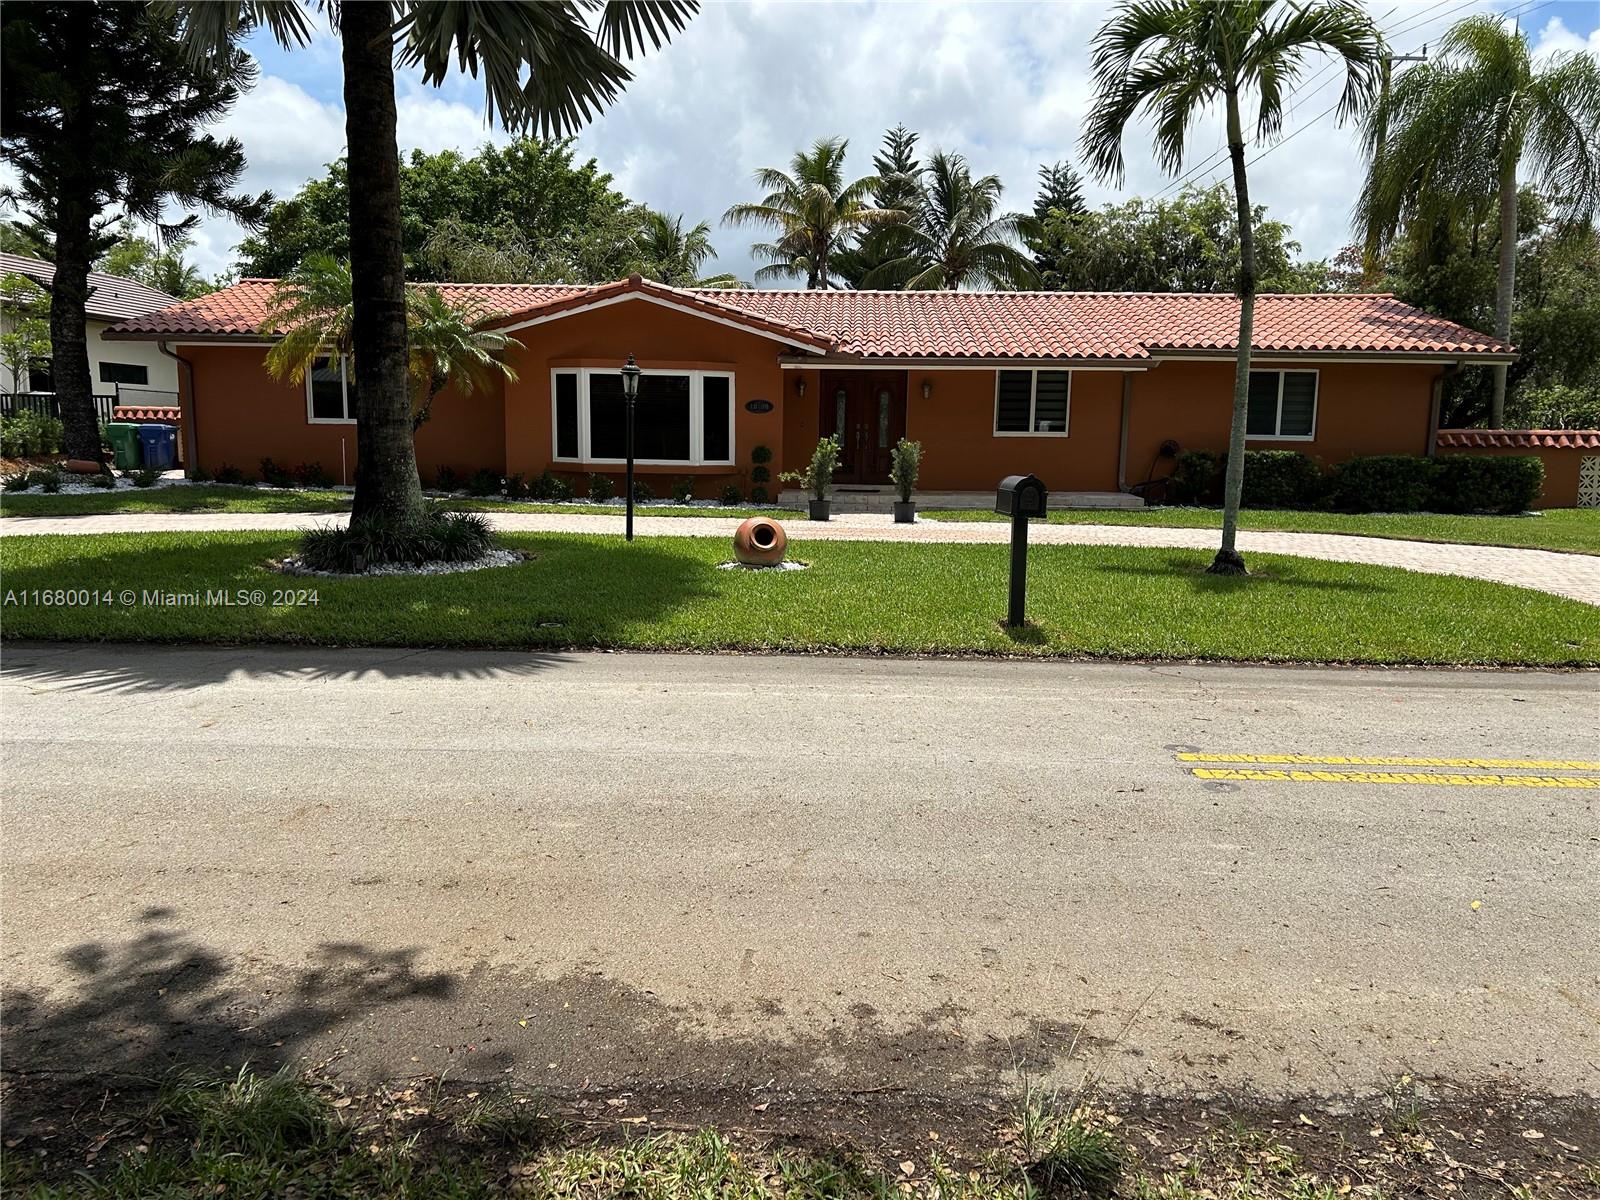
[[817, 478], [905, 464]]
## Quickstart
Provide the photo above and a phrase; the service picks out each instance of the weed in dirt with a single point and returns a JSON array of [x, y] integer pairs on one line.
[[504, 1119], [249, 1113], [1070, 1147]]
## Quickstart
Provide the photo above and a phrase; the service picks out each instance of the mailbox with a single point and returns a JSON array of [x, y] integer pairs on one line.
[[1021, 496]]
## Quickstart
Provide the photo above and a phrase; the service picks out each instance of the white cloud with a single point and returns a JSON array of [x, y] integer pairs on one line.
[[745, 85]]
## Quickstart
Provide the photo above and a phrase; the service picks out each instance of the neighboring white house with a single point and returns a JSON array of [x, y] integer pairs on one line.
[[137, 371]]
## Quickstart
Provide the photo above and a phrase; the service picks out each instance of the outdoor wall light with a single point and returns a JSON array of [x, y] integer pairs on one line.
[[927, 388], [800, 386]]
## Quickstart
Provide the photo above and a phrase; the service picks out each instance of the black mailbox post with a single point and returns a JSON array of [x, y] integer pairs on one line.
[[1020, 497]]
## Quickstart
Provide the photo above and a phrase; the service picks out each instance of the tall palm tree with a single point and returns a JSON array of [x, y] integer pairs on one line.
[[1173, 60], [1456, 130], [674, 255], [314, 306], [543, 66], [956, 238], [813, 212]]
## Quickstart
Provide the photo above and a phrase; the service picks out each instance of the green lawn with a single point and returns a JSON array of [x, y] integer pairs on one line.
[[667, 593], [1557, 529], [220, 498]]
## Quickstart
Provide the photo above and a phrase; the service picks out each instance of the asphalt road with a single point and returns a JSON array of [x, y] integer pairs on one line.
[[821, 873]]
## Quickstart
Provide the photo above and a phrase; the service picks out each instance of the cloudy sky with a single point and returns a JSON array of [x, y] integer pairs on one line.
[[1005, 84]]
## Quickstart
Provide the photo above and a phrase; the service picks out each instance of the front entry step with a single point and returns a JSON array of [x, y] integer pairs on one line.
[[855, 499]]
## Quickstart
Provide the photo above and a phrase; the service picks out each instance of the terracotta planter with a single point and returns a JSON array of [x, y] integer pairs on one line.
[[817, 510], [82, 466], [905, 512], [760, 542]]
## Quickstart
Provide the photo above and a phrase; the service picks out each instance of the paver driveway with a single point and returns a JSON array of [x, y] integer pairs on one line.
[[1576, 576]]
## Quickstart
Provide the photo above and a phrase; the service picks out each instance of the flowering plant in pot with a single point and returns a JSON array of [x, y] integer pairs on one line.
[[905, 463], [817, 478]]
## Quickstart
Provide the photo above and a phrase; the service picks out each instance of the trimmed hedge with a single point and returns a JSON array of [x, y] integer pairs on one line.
[[1397, 483], [1465, 483]]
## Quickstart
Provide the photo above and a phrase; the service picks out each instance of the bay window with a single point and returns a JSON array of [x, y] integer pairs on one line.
[[681, 417]]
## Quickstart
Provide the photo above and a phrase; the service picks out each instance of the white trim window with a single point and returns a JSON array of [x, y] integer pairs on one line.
[[1283, 406], [681, 419], [1032, 403], [330, 392]]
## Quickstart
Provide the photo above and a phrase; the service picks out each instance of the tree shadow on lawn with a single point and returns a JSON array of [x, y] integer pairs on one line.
[[1190, 568], [572, 592]]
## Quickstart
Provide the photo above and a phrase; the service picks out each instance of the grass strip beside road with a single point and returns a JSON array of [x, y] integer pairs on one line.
[[224, 498], [1569, 529], [667, 593]]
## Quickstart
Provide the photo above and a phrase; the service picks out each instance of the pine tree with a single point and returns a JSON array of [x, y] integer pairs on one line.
[[100, 116]]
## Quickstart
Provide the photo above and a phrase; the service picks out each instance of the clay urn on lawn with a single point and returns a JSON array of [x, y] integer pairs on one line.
[[760, 542]]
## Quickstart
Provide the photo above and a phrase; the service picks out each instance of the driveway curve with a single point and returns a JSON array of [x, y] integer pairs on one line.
[[1575, 576]]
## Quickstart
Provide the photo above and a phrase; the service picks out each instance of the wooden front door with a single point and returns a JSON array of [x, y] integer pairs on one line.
[[867, 409]]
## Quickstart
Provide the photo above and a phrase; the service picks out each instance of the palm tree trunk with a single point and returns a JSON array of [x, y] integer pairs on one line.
[[1506, 287], [1228, 560], [386, 460]]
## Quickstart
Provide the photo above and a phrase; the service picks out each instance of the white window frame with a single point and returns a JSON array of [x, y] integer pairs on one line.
[[100, 372], [1033, 404], [697, 441], [1277, 420], [344, 393]]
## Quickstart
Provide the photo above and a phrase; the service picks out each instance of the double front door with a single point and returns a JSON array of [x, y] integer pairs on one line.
[[867, 409]]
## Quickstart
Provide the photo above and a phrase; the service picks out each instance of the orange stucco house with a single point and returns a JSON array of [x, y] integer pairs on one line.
[[1082, 389]]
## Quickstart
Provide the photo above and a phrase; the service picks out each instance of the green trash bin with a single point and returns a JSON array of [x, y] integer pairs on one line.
[[124, 437]]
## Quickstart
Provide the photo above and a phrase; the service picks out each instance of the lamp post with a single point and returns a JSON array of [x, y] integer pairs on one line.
[[630, 394]]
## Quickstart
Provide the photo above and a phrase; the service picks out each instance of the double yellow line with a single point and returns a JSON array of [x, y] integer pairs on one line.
[[1314, 768]]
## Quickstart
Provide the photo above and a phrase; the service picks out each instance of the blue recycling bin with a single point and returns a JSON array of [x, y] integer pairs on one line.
[[160, 446]]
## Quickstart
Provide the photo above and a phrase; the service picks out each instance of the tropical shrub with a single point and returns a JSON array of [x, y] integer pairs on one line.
[[377, 541], [199, 475], [483, 482], [759, 474], [1382, 483], [102, 480], [761, 454], [312, 475], [16, 483], [1196, 478], [643, 493], [275, 476], [551, 487], [1281, 479], [601, 487], [515, 487], [731, 495], [905, 464], [47, 479], [758, 495], [817, 478], [229, 474], [1466, 483], [144, 477], [27, 434], [445, 479], [683, 490]]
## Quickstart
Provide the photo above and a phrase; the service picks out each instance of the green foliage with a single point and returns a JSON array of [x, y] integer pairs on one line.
[[24, 326], [144, 477], [198, 474], [899, 190], [446, 479], [758, 495], [1281, 479], [164, 269], [1470, 483], [275, 476], [17, 482], [552, 488], [683, 490], [673, 255], [483, 482], [905, 464], [1557, 406], [233, 476], [760, 474], [103, 480], [812, 212], [761, 454], [367, 542], [1396, 483], [1189, 243], [526, 212], [601, 487], [312, 475], [1196, 478], [643, 493], [28, 433], [817, 478], [250, 1113], [515, 487], [731, 495], [46, 479]]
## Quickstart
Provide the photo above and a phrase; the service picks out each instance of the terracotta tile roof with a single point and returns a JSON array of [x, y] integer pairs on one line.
[[1114, 326], [1519, 439], [111, 297], [146, 412]]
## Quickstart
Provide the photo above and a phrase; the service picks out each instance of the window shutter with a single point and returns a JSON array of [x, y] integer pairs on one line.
[[1299, 404], [1050, 405], [1014, 399], [1262, 420]]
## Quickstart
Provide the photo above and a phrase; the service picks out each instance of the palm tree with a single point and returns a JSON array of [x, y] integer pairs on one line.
[[1455, 131], [955, 238], [449, 345], [674, 256], [542, 66], [812, 210], [1174, 59], [314, 307]]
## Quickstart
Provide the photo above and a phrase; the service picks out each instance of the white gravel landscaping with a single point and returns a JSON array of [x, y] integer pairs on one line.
[[495, 558]]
